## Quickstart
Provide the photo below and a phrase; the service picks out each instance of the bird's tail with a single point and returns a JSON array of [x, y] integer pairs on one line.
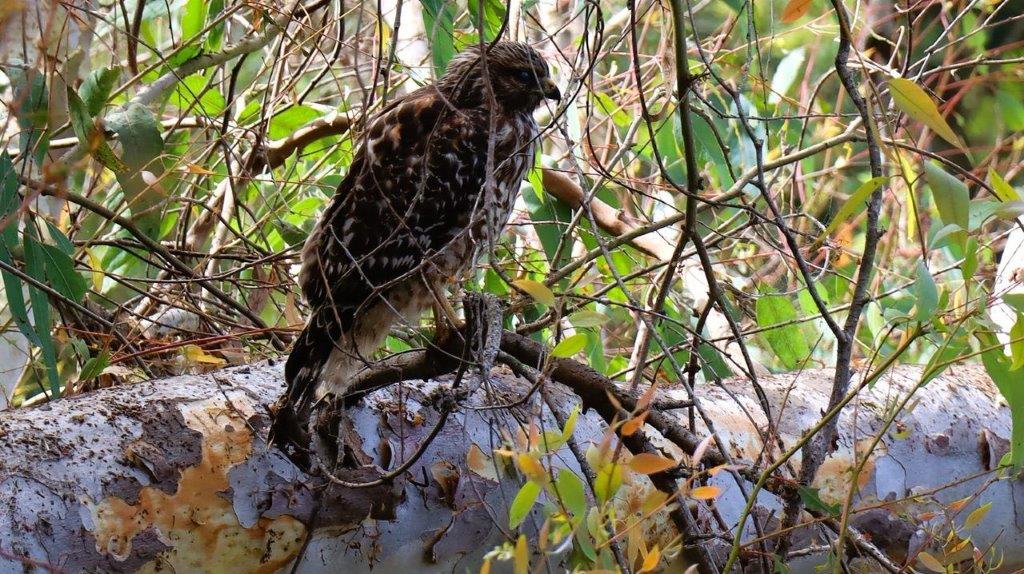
[[303, 372], [326, 357]]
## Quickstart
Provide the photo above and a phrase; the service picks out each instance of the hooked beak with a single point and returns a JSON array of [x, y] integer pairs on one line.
[[550, 89]]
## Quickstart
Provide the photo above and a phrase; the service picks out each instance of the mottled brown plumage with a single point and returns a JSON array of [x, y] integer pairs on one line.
[[430, 188]]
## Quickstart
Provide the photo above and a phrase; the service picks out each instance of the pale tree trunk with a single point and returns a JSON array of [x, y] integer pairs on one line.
[[175, 475]]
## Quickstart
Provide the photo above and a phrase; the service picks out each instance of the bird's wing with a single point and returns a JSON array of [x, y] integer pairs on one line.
[[411, 188]]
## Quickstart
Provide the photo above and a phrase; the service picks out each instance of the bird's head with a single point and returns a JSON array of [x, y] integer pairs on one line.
[[518, 75]]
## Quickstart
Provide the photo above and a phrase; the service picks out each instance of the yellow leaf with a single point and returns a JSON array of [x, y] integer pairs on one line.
[[794, 10], [654, 500], [532, 468], [651, 560], [196, 354], [537, 290], [485, 568], [977, 515], [649, 463], [698, 453], [194, 168], [930, 562], [958, 505], [634, 424], [705, 492], [1004, 191], [480, 463], [916, 103], [97, 269], [647, 397], [521, 564]]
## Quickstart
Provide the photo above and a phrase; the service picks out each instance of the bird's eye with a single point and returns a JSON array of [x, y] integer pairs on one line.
[[526, 76]]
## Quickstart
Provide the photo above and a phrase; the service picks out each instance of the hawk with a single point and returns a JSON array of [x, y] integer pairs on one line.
[[429, 189]]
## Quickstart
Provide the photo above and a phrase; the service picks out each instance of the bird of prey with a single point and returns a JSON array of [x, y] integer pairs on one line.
[[430, 188]]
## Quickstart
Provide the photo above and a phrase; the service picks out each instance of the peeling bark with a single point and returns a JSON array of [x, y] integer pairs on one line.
[[175, 475]]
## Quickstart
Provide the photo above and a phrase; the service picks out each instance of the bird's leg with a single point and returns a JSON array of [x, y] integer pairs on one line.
[[444, 314], [324, 424]]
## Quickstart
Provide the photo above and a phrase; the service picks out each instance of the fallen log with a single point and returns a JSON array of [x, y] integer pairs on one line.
[[175, 475]]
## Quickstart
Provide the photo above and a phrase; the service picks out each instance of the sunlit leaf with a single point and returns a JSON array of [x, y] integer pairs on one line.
[[522, 503], [708, 492], [570, 492], [607, 482], [634, 424], [198, 355], [794, 10], [531, 467], [650, 463], [1003, 190], [569, 346], [786, 340], [537, 290], [916, 103], [855, 204], [930, 562], [977, 515], [651, 560]]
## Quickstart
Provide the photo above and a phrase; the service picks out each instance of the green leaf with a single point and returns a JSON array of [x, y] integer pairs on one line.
[[550, 219], [812, 500], [522, 503], [493, 16], [1017, 343], [193, 17], [951, 196], [1007, 380], [787, 341], [569, 346], [90, 138], [607, 482], [584, 319], [139, 133], [970, 265], [32, 112], [916, 103], [926, 293], [1003, 190], [192, 94], [94, 366], [61, 274], [439, 23], [13, 286], [215, 38], [96, 89], [35, 267], [285, 123], [855, 204], [569, 491], [1015, 300], [944, 234]]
